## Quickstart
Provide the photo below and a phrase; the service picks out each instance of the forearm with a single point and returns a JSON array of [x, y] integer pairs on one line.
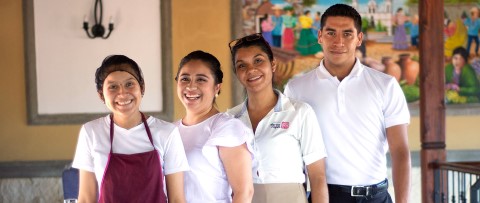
[[318, 181], [319, 192], [401, 171], [242, 196]]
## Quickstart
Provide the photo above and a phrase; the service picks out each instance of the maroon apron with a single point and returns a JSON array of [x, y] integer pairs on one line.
[[132, 177]]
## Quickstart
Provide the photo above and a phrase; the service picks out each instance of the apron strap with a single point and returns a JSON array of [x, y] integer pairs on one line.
[[144, 120], [148, 129]]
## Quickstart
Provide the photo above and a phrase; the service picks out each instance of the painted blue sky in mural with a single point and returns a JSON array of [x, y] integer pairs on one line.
[[322, 5]]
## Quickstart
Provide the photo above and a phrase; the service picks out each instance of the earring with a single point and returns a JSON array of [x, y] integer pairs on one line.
[[216, 95]]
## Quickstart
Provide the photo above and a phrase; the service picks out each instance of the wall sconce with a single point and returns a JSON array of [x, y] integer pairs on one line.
[[98, 30]]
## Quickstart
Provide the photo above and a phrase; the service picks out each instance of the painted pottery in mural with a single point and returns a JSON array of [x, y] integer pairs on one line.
[[410, 68], [392, 68]]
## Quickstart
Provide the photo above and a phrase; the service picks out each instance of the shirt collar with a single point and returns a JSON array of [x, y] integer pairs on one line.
[[283, 104], [356, 70]]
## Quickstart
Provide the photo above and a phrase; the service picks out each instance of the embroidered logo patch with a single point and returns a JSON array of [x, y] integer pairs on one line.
[[282, 125]]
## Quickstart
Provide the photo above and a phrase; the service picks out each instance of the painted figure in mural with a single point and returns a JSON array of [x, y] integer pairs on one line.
[[128, 142], [307, 43], [400, 37], [361, 112], [462, 84], [457, 39], [277, 22], [287, 135], [473, 26], [316, 24], [218, 147], [289, 23], [414, 31], [267, 26]]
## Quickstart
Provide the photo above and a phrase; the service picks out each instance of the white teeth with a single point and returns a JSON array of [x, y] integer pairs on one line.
[[254, 78], [124, 102], [192, 97]]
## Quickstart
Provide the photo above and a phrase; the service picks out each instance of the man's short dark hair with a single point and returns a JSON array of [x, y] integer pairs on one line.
[[342, 10]]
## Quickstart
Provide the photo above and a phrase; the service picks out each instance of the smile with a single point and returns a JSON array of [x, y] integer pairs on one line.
[[254, 78], [192, 96], [122, 103]]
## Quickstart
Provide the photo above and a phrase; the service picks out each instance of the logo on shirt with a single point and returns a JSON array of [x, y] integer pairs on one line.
[[282, 125]]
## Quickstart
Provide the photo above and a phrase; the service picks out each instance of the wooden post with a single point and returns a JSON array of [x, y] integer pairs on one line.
[[432, 81]]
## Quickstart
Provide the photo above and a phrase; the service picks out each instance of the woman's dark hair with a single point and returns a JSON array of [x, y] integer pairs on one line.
[[114, 63], [256, 40], [212, 63], [342, 10], [462, 52]]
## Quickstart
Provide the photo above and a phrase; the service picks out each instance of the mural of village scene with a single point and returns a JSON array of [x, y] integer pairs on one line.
[[390, 46]]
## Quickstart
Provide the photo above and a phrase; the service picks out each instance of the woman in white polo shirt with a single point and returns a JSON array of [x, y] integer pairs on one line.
[[287, 135], [218, 146]]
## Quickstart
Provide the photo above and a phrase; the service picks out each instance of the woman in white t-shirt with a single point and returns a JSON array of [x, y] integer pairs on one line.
[[127, 156], [218, 147], [287, 135]]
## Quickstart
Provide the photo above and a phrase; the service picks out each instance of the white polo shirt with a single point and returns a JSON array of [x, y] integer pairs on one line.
[[353, 115], [286, 139]]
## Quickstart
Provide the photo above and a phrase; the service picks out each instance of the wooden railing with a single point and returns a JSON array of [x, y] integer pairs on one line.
[[457, 182]]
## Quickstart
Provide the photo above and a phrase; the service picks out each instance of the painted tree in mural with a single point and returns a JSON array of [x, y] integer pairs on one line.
[[309, 3]]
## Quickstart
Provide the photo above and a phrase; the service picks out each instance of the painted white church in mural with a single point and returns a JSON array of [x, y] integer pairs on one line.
[[378, 13]]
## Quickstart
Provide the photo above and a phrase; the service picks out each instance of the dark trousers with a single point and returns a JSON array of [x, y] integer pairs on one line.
[[277, 40], [383, 197], [414, 41], [469, 43]]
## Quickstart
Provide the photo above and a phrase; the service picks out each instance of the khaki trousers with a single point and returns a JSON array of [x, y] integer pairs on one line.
[[279, 193]]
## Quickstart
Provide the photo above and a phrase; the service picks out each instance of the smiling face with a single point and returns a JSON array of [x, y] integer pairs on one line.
[[254, 69], [339, 39], [122, 93], [196, 87]]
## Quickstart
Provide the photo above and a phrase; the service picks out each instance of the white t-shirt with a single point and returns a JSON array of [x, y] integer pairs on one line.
[[353, 115], [207, 181], [93, 145], [286, 139]]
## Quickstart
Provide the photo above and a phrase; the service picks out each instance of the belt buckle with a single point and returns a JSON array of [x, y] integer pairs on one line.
[[353, 191]]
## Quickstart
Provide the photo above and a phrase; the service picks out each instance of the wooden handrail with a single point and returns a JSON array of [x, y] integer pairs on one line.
[[465, 167]]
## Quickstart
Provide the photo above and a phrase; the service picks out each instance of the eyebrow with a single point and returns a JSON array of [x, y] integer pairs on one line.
[[331, 29], [200, 75], [260, 54], [114, 81]]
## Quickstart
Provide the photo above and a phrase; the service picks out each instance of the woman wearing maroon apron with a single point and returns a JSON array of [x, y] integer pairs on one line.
[[127, 156]]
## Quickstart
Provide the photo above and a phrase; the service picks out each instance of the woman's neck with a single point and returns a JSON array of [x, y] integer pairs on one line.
[[192, 118], [259, 105], [262, 100], [127, 121]]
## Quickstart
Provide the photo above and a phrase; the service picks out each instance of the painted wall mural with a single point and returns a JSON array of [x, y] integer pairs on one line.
[[390, 45]]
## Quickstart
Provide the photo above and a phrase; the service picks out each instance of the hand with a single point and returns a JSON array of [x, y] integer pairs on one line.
[[452, 86]]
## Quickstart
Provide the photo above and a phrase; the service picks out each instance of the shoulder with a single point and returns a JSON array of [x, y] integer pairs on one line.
[[225, 120], [377, 76], [97, 123], [299, 105], [301, 78], [156, 124], [235, 111]]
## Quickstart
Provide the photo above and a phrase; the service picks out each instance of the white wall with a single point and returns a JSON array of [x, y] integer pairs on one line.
[[66, 59]]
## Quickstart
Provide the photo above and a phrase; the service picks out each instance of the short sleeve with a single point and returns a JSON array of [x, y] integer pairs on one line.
[[395, 107], [83, 154], [230, 132], [175, 159], [313, 148]]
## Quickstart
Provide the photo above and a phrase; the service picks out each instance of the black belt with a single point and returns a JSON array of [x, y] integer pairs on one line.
[[359, 191]]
